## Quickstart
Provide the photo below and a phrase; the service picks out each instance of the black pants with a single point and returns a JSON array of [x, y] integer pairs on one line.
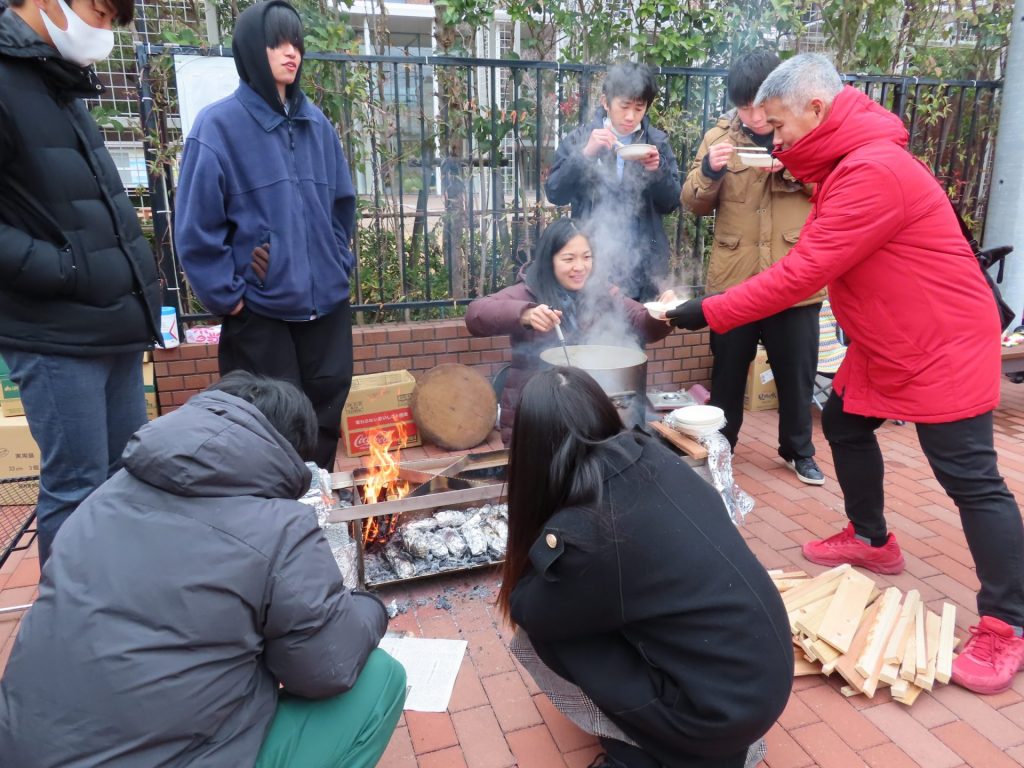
[[963, 458], [625, 755], [791, 340], [315, 356]]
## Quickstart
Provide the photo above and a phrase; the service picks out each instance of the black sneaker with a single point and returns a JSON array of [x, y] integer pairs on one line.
[[807, 470]]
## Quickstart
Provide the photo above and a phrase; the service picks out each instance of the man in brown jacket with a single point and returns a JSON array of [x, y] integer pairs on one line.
[[758, 216]]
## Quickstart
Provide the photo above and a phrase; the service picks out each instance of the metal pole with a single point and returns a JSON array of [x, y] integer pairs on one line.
[[212, 28], [1004, 222], [159, 202]]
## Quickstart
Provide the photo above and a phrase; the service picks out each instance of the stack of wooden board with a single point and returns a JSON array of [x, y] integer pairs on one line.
[[842, 622]]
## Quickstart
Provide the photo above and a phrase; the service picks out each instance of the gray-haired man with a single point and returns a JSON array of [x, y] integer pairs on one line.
[[924, 340]]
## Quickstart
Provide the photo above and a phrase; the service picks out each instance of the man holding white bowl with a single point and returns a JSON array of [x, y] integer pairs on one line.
[[759, 209]]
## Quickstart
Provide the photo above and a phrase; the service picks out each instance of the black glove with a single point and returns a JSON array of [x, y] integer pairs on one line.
[[261, 261], [688, 315]]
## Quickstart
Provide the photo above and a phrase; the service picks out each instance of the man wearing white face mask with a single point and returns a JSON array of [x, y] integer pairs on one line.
[[79, 296]]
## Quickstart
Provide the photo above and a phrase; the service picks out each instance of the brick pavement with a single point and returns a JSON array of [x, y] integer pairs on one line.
[[498, 719]]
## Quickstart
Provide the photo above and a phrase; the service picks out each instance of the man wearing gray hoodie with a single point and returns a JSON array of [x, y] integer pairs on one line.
[[209, 620]]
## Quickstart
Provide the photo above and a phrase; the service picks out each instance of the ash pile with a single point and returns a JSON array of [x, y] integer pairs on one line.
[[451, 539]]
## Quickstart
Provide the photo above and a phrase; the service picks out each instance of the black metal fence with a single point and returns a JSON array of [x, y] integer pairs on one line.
[[18, 497], [449, 156]]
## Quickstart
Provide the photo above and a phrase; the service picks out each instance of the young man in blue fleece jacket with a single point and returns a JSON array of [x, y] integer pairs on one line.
[[265, 218]]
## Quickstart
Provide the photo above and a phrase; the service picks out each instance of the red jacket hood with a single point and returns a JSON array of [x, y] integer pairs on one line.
[[853, 121]]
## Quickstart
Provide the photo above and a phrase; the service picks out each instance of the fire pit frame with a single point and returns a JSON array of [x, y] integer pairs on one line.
[[478, 492]]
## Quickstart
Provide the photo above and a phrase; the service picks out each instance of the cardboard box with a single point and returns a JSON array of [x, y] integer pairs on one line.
[[378, 401], [10, 397], [19, 455], [760, 394]]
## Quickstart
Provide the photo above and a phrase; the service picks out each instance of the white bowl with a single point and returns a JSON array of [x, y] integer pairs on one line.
[[756, 159], [657, 309], [709, 429], [697, 416], [634, 151]]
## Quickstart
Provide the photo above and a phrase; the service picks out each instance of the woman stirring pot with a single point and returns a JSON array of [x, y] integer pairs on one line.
[[556, 291]]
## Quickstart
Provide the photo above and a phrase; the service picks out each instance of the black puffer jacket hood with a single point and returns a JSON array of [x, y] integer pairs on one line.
[[216, 445], [249, 47]]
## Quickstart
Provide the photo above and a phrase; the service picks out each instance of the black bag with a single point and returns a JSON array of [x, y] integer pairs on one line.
[[986, 259]]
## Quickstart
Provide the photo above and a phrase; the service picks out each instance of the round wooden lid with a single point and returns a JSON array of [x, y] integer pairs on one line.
[[454, 406]]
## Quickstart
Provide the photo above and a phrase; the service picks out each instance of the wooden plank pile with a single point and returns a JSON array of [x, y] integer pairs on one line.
[[841, 622]]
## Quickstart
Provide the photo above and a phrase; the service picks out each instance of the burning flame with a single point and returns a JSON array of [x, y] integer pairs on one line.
[[384, 483]]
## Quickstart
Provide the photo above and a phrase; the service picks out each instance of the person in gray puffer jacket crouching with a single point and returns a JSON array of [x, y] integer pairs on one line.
[[191, 613]]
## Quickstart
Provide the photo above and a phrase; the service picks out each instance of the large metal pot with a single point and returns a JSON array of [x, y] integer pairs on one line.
[[621, 372]]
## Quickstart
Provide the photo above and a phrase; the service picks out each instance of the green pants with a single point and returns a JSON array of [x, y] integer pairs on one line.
[[350, 730]]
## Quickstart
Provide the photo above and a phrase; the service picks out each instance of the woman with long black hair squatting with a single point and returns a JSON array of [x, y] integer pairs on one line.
[[632, 583]]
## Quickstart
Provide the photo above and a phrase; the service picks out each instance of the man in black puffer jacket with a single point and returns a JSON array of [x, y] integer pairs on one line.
[[79, 297], [623, 201]]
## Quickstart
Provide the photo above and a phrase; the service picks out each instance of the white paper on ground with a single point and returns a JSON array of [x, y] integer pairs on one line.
[[431, 666]]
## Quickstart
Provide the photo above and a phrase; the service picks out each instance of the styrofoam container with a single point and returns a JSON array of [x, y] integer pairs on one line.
[[697, 415], [657, 309], [634, 151], [756, 159]]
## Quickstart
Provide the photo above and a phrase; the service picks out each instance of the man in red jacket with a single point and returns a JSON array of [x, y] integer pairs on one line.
[[924, 340]]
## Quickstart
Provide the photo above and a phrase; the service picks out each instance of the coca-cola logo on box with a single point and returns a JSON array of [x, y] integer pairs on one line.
[[360, 441]]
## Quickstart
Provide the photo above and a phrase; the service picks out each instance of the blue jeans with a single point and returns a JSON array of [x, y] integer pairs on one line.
[[81, 412]]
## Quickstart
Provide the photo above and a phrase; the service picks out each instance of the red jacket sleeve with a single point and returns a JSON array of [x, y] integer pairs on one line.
[[860, 208]]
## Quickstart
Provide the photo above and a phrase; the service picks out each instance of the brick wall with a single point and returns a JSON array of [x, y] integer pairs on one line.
[[681, 359]]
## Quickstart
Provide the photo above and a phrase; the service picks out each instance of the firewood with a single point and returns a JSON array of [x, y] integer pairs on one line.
[[910, 696], [802, 667], [785, 584], [870, 660], [845, 664], [797, 617], [889, 673], [921, 650], [944, 662], [780, 573], [808, 623], [822, 585], [933, 626], [904, 626], [908, 669], [848, 691], [840, 621], [826, 654]]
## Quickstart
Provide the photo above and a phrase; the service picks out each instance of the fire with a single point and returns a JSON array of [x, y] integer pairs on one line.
[[384, 483]]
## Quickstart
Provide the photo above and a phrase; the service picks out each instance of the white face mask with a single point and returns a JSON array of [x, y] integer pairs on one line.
[[80, 43]]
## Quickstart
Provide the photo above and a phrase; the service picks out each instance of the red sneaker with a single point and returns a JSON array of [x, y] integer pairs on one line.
[[991, 658], [845, 547]]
